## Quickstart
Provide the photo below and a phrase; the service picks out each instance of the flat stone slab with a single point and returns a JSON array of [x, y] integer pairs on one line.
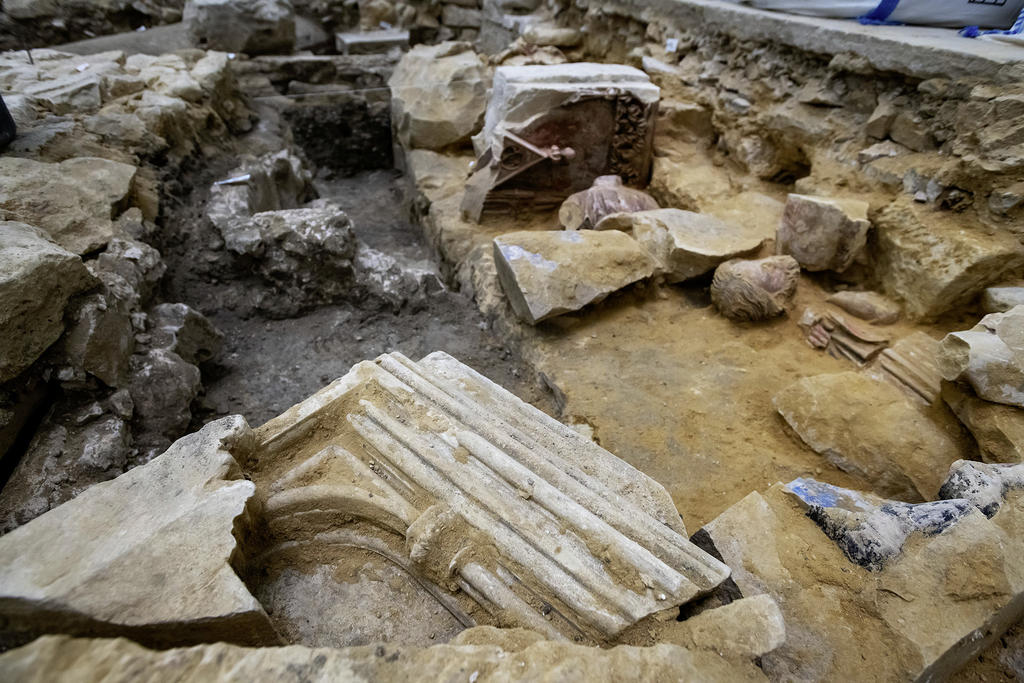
[[686, 244], [148, 555], [868, 427], [482, 653], [548, 273], [369, 42], [916, 51]]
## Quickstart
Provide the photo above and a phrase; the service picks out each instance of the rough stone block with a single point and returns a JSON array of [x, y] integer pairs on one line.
[[936, 261], [37, 278], [823, 233], [438, 95]]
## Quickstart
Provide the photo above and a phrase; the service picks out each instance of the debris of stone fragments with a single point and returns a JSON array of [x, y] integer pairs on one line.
[[548, 273], [755, 290], [550, 131], [685, 244], [585, 210], [73, 201], [823, 233], [989, 356], [828, 328], [870, 428], [405, 462], [869, 306], [849, 562]]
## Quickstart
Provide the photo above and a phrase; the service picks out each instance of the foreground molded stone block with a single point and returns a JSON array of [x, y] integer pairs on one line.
[[548, 273], [149, 555], [989, 356], [37, 278], [916, 591], [936, 261], [73, 201], [438, 95], [686, 245], [869, 428], [252, 26], [823, 233], [480, 653], [431, 462]]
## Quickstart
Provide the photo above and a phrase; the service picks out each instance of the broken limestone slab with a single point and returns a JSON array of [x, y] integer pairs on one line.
[[73, 201], [755, 290], [936, 261], [929, 587], [438, 95], [998, 429], [150, 555], [548, 273], [439, 456], [250, 26], [869, 428], [480, 653], [989, 356], [823, 233], [37, 277], [185, 331], [685, 244]]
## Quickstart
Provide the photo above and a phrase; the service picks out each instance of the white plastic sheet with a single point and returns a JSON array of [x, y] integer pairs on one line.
[[990, 14]]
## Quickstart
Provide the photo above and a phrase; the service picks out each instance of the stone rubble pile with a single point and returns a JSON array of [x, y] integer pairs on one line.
[[110, 374]]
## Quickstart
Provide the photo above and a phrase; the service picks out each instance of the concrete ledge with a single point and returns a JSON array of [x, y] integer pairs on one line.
[[915, 51]]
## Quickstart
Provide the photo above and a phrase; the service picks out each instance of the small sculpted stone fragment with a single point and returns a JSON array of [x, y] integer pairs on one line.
[[823, 233], [585, 210], [869, 306], [547, 273], [755, 290], [989, 356]]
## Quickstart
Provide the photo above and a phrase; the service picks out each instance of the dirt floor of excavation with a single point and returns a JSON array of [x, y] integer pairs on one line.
[[269, 364]]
